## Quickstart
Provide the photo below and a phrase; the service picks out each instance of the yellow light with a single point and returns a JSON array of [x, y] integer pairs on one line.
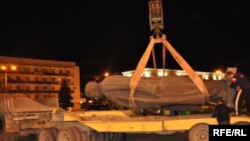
[[147, 74], [13, 67], [219, 75], [3, 68], [106, 74], [218, 72]]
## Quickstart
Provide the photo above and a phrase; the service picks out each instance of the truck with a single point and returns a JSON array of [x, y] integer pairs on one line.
[[24, 118], [47, 124]]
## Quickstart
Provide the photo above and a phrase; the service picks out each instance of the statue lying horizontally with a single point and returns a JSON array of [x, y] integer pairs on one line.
[[154, 91]]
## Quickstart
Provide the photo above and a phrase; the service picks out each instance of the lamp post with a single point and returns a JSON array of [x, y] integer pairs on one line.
[[5, 69]]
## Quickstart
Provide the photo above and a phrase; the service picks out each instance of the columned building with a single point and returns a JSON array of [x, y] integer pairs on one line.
[[149, 72], [38, 79]]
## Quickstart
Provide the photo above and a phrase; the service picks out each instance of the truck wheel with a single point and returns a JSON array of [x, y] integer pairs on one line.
[[45, 135], [4, 136], [65, 135], [116, 137], [10, 136], [96, 136], [76, 132], [54, 132], [93, 136], [106, 136], [85, 136], [198, 132], [2, 128], [99, 136], [109, 136], [242, 123]]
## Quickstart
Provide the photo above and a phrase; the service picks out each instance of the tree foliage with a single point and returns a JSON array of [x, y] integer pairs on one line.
[[65, 95]]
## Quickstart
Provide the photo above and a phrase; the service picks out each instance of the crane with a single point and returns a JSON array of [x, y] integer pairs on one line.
[[156, 25]]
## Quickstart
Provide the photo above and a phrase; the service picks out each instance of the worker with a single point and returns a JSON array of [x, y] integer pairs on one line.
[[222, 113], [242, 85]]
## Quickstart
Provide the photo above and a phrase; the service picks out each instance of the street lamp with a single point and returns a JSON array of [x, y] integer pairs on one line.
[[106, 74], [5, 69]]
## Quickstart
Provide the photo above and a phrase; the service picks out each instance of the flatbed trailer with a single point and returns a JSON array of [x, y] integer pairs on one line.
[[102, 123], [125, 121], [59, 125]]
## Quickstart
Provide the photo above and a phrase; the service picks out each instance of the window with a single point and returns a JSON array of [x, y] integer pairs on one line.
[[60, 71], [27, 69], [27, 79], [27, 88], [9, 87], [53, 79], [18, 87], [44, 79], [18, 78], [45, 88], [36, 70], [44, 70], [68, 71], [36, 88], [36, 79], [52, 71], [8, 78]]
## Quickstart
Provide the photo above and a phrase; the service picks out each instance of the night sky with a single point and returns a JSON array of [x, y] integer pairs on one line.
[[112, 35]]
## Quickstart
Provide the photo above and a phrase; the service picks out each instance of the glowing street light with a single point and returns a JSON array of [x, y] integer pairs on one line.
[[5, 69], [106, 74]]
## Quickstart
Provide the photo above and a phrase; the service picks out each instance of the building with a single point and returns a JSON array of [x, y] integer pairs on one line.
[[38, 79], [149, 72]]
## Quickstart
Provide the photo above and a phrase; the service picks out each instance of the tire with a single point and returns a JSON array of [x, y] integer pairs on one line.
[[117, 137], [199, 132], [99, 136], [76, 132], [111, 136], [85, 136], [4, 136], [242, 123], [2, 128], [54, 132], [93, 135], [106, 136], [45, 135], [65, 135]]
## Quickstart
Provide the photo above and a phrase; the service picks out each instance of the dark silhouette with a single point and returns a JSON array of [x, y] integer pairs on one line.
[[65, 96], [222, 113], [242, 84]]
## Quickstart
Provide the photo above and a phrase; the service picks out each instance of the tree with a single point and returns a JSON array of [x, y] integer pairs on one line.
[[65, 95]]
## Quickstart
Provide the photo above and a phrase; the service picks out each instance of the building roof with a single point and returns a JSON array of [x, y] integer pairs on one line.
[[37, 62]]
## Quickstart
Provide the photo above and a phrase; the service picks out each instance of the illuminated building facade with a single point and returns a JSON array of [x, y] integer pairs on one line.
[[38, 79], [149, 72]]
